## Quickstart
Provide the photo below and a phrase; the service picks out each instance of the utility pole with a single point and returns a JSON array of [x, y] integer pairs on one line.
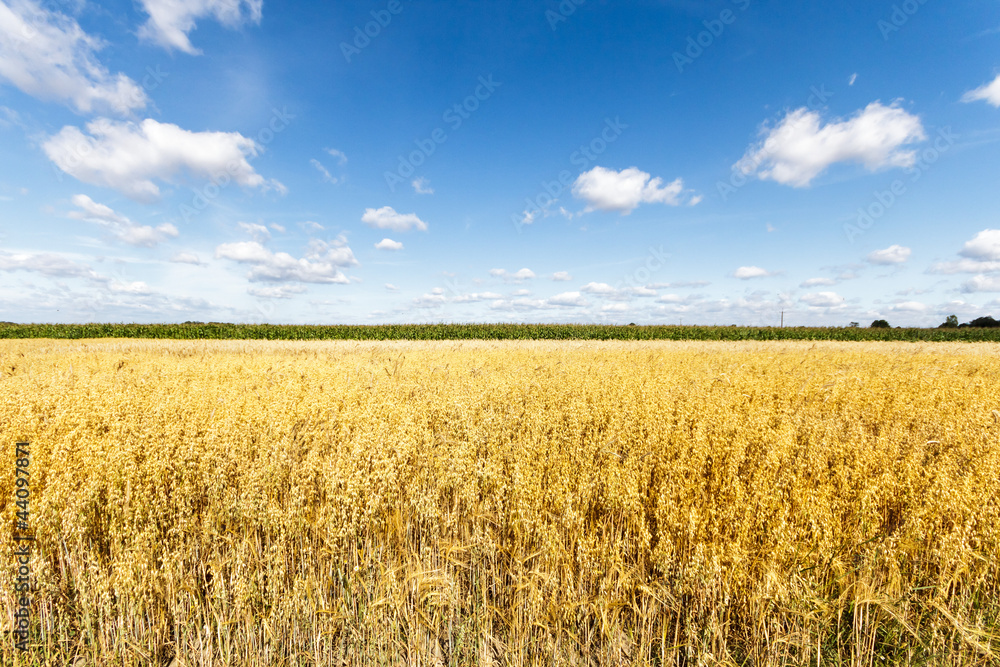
[[782, 319]]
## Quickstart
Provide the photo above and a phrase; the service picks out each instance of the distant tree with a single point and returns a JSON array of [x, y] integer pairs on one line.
[[853, 325], [880, 324], [984, 322], [950, 322]]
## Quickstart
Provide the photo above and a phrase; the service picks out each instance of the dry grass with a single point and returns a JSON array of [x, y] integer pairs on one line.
[[232, 503]]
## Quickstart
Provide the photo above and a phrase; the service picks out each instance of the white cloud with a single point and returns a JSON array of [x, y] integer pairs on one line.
[[683, 283], [603, 289], [392, 288], [435, 299], [854, 77], [341, 158], [311, 226], [519, 276], [187, 258], [276, 227], [47, 55], [894, 254], [982, 284], [800, 148], [622, 191], [477, 296], [988, 92], [819, 282], [387, 218], [561, 276], [984, 246], [258, 232], [670, 298], [964, 266], [422, 186], [567, 300], [129, 157], [822, 300], [319, 265], [47, 264], [388, 244], [276, 292], [981, 255], [909, 307], [521, 292], [327, 177], [748, 272], [170, 21], [131, 287], [524, 274], [121, 227]]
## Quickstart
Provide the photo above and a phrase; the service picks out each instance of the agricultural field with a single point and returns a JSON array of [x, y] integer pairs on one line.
[[223, 502], [498, 331]]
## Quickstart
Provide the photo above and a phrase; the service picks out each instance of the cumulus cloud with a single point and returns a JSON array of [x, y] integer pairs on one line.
[[187, 258], [682, 283], [988, 92], [47, 55], [561, 276], [130, 287], [258, 232], [984, 246], [320, 264], [748, 272], [276, 292], [623, 191], [980, 255], [388, 244], [822, 300], [964, 266], [982, 284], [170, 21], [422, 186], [819, 282], [602, 289], [47, 264], [121, 227], [801, 147], [567, 300], [894, 254], [518, 276], [387, 218], [129, 157], [477, 296], [909, 307]]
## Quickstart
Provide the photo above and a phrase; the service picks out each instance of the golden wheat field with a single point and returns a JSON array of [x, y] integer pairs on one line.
[[508, 503]]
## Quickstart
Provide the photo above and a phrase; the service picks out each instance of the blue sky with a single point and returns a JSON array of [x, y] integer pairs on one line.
[[576, 161]]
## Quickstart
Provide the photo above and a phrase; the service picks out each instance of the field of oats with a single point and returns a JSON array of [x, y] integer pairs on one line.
[[506, 503]]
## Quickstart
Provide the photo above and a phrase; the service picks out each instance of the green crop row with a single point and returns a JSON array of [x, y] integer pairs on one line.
[[224, 331]]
